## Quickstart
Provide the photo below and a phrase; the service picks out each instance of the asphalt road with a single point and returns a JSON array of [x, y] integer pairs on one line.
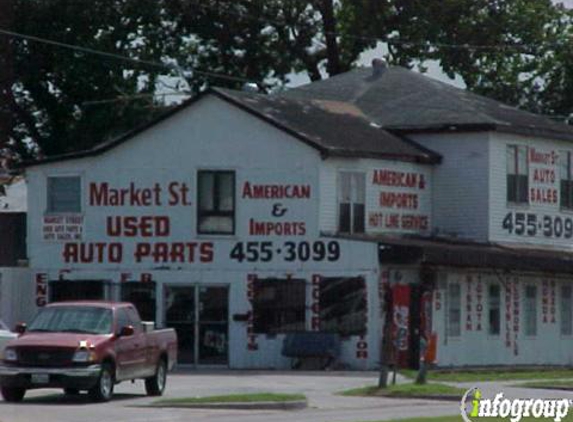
[[129, 403]]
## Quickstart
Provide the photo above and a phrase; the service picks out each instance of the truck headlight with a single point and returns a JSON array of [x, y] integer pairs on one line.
[[83, 356], [10, 355]]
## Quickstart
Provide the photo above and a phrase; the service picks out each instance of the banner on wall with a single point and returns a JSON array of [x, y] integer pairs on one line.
[[401, 321]]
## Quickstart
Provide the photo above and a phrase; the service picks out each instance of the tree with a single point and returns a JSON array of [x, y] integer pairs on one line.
[[59, 97], [517, 51]]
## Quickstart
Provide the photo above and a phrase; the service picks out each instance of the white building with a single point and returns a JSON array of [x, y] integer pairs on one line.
[[239, 217]]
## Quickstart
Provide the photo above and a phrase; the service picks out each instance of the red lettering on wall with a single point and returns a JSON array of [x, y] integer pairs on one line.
[[41, 289], [146, 226]]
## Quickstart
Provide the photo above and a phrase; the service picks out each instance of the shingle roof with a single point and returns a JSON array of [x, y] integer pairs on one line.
[[332, 127], [407, 101]]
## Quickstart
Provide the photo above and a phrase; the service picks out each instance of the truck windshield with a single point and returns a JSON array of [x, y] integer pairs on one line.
[[73, 319]]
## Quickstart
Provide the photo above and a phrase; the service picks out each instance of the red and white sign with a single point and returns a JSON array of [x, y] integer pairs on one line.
[[401, 200]]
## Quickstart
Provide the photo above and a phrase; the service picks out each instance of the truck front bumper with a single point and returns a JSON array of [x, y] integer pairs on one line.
[[82, 378]]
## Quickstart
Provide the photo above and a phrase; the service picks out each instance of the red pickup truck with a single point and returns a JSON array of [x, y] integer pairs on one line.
[[86, 346]]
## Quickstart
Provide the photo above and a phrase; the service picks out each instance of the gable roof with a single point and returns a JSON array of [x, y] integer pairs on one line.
[[332, 127], [405, 101]]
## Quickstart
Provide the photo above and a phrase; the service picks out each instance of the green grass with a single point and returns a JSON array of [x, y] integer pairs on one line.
[[235, 398], [492, 375], [407, 390]]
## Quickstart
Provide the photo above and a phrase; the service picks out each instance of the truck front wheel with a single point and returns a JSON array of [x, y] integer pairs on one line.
[[13, 394], [103, 390], [155, 385]]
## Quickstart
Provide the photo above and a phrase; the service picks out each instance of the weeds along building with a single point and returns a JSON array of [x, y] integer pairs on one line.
[[377, 201]]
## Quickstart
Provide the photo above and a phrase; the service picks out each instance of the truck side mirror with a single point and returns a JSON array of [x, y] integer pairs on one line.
[[126, 331], [20, 328]]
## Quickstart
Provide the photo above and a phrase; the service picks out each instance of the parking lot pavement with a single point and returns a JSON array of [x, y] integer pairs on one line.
[[129, 401]]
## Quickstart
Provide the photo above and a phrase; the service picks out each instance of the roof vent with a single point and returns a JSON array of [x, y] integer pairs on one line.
[[379, 66]]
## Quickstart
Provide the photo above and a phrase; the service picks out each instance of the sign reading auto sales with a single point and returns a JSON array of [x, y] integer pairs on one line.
[[401, 201]]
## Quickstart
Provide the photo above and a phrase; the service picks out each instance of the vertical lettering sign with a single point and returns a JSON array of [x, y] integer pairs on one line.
[[251, 336], [508, 317], [41, 289], [362, 344], [315, 306], [469, 307], [516, 315], [479, 303], [402, 201]]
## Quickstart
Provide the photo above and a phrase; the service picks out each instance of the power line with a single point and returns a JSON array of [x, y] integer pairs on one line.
[[115, 56]]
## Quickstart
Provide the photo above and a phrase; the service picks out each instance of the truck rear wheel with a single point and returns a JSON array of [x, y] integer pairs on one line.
[[103, 390], [13, 394], [155, 385]]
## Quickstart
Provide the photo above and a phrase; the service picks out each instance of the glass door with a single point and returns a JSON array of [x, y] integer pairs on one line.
[[213, 325], [180, 310], [200, 315]]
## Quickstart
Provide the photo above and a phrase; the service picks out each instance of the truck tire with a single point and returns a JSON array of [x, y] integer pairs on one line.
[[13, 394], [155, 385], [103, 390]]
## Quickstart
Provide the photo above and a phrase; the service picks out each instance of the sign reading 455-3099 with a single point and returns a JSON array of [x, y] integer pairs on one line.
[[287, 251], [531, 224]]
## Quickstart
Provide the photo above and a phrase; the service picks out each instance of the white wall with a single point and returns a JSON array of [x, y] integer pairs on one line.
[[511, 346], [460, 183], [383, 215], [16, 295], [208, 135], [545, 217]]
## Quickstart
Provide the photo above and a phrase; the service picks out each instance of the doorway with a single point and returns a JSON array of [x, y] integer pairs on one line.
[[200, 315]]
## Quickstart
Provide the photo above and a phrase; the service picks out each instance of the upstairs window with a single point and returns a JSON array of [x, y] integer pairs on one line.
[[64, 194], [351, 200], [517, 174], [216, 202], [566, 176], [278, 306]]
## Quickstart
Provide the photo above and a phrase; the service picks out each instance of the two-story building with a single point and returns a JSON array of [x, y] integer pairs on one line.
[[376, 197]]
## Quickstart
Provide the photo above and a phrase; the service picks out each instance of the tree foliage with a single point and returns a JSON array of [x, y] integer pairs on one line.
[[58, 100]]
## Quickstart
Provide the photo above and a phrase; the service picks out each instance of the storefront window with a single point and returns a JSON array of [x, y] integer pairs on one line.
[[517, 174], [351, 200], [454, 310], [64, 194], [566, 320], [216, 202], [494, 309], [278, 306], [142, 295], [530, 310], [62, 290], [343, 305]]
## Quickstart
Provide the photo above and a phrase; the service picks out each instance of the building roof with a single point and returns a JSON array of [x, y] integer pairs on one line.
[[406, 101], [332, 127], [451, 252]]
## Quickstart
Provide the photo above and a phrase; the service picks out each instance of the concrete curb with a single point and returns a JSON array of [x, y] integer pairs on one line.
[[262, 405], [443, 397]]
